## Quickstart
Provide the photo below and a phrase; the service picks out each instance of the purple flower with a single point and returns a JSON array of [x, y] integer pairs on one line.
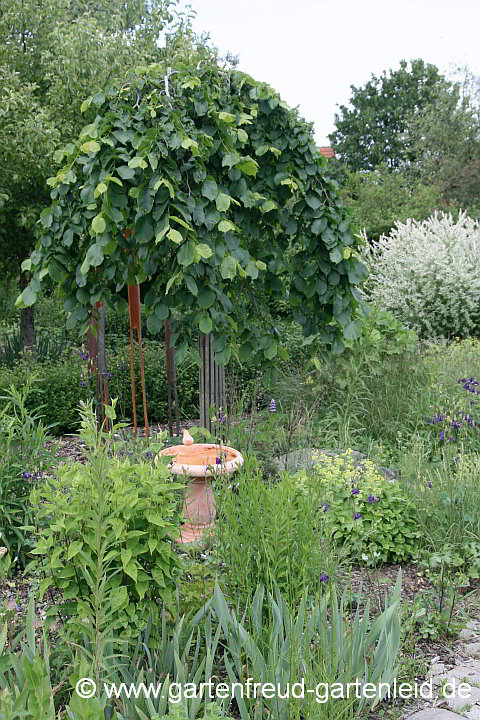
[[429, 485], [442, 435], [326, 507], [83, 383], [357, 516], [324, 577], [373, 499], [27, 475], [218, 461], [355, 491], [84, 356]]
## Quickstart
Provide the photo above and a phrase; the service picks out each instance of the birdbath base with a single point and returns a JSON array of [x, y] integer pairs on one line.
[[199, 463]]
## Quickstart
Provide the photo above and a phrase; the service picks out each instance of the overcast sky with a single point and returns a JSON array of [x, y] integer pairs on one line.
[[311, 51]]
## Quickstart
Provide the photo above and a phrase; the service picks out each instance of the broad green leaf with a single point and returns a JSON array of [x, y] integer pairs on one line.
[[98, 224], [260, 265], [225, 226], [174, 236], [313, 201], [319, 225], [226, 117], [125, 172], [164, 228], [85, 105], [154, 324], [98, 98], [26, 299], [90, 147], [191, 284], [267, 206], [162, 311], [247, 166], [26, 265], [206, 298], [205, 251], [335, 255], [205, 323], [271, 351], [210, 188], [74, 548], [346, 253], [94, 255], [137, 161], [189, 143], [222, 202], [186, 254], [351, 331], [167, 184], [242, 135], [223, 357], [100, 189], [228, 268]]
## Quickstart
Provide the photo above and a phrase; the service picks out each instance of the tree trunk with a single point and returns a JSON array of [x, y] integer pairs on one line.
[[27, 321]]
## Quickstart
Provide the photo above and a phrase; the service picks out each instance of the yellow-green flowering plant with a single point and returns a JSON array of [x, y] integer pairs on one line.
[[362, 512]]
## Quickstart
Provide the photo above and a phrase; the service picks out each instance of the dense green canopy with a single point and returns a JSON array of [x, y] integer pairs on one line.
[[202, 184]]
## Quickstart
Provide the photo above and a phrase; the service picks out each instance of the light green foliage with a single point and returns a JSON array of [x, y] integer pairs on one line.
[[196, 251], [370, 517], [212, 712], [267, 532], [103, 536]]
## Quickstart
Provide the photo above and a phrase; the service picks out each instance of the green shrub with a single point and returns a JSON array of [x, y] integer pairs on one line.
[[370, 517], [103, 531]]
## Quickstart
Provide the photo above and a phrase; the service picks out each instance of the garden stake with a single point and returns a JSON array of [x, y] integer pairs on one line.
[[134, 323]]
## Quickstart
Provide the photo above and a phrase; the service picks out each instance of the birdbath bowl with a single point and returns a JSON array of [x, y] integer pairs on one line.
[[200, 462]]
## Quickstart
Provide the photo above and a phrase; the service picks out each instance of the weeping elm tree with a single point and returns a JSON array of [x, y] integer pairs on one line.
[[202, 186]]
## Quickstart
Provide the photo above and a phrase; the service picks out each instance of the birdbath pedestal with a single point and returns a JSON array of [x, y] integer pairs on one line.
[[200, 462]]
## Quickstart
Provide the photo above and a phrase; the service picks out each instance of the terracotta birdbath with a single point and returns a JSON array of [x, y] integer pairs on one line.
[[200, 462]]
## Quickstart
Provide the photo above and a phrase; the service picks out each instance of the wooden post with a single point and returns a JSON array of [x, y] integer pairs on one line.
[[135, 323], [211, 383]]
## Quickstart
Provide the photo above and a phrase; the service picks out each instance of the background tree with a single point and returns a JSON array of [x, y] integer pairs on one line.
[[375, 129], [52, 55]]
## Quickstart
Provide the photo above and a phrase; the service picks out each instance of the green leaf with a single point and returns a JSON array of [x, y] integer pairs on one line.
[[191, 284], [260, 265], [206, 298], [98, 98], [210, 188], [225, 226], [137, 161], [335, 255], [271, 351], [242, 135], [26, 265], [162, 311], [247, 166], [125, 172], [222, 202], [90, 147], [181, 222], [351, 331], [267, 206], [205, 323], [26, 299], [313, 201], [319, 225], [98, 224], [94, 255], [174, 236], [223, 357], [186, 254], [154, 324], [226, 117], [74, 548], [100, 189], [228, 268], [85, 105], [205, 251]]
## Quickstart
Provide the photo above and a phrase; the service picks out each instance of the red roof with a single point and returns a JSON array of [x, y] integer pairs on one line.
[[327, 151]]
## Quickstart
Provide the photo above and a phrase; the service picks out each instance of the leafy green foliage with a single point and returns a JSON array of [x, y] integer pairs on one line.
[[376, 129], [370, 517], [178, 195], [23, 459], [103, 536]]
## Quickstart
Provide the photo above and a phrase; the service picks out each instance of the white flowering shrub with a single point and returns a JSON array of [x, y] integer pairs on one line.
[[428, 275]]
